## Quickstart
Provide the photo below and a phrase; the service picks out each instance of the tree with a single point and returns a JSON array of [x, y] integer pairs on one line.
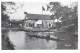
[[4, 9], [64, 13], [56, 11], [8, 8], [71, 15]]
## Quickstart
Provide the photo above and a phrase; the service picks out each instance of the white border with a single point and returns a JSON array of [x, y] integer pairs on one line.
[[42, 51]]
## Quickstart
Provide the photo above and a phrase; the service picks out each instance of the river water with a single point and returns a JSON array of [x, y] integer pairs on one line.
[[22, 41]]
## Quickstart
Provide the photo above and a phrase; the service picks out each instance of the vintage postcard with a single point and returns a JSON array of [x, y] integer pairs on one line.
[[39, 25]]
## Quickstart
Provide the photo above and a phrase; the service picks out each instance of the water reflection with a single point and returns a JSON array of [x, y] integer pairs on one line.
[[18, 38], [21, 40]]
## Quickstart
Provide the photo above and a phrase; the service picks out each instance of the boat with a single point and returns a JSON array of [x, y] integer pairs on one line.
[[46, 37], [34, 30]]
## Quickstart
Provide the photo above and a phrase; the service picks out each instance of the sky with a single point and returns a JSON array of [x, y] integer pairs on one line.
[[36, 7], [31, 8]]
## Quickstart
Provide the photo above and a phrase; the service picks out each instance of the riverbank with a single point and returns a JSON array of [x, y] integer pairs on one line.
[[6, 45]]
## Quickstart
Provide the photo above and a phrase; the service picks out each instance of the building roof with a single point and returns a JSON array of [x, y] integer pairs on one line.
[[18, 21], [38, 16]]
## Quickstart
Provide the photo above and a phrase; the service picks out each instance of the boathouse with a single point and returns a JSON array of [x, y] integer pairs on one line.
[[38, 21]]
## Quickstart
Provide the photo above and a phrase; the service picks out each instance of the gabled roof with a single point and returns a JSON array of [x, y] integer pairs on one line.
[[38, 16]]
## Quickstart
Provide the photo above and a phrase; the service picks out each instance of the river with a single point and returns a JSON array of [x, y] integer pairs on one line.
[[22, 41]]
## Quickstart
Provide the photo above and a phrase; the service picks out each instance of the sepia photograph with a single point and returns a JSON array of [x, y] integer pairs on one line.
[[39, 25]]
